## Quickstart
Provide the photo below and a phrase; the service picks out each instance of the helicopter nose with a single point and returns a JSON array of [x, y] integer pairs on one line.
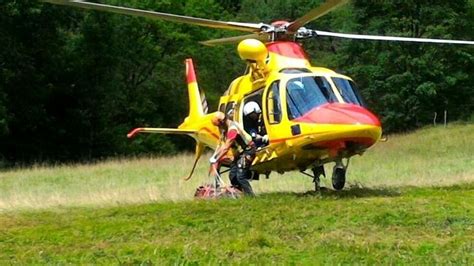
[[340, 113]]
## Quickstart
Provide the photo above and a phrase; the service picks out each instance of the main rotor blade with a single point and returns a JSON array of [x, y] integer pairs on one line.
[[316, 13], [231, 40], [390, 38], [248, 27]]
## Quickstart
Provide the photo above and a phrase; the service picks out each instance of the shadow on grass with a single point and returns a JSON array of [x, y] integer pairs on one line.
[[358, 190], [351, 191]]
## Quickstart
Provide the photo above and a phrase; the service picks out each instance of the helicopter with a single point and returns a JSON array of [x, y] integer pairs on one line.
[[313, 115]]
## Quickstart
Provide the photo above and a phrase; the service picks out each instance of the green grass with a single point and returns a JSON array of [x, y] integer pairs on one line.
[[412, 225], [409, 200]]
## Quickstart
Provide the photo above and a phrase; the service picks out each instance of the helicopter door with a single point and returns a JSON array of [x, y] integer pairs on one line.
[[274, 103], [253, 122]]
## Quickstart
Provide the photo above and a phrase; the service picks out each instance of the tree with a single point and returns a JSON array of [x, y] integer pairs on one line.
[[73, 82], [407, 83]]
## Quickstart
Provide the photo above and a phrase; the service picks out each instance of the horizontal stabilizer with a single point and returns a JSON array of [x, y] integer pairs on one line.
[[134, 132]]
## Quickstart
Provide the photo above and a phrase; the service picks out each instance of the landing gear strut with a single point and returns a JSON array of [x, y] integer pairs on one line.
[[338, 175], [317, 173]]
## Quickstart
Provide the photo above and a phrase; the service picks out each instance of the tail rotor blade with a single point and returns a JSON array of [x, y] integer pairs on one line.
[[390, 38]]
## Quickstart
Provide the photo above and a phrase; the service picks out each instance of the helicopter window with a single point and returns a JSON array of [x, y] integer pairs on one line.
[[229, 110], [325, 87], [348, 91], [295, 70], [222, 108], [274, 104], [254, 124], [306, 93]]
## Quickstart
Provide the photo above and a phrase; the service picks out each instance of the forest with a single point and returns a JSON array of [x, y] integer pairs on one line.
[[73, 82]]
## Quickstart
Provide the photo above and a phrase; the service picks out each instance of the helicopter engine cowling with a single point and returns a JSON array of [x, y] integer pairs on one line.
[[252, 50], [255, 53]]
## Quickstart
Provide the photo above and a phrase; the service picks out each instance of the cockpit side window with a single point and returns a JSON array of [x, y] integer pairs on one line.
[[306, 93], [274, 103], [348, 91], [230, 110]]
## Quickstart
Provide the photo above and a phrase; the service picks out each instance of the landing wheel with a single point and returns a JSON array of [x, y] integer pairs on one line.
[[338, 177]]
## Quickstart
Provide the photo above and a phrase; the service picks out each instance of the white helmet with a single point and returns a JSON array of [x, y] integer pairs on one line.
[[251, 107]]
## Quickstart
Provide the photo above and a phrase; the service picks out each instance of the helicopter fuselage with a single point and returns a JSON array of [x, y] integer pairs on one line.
[[312, 115]]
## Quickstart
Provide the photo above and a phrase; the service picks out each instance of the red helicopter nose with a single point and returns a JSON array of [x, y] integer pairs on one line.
[[340, 113]]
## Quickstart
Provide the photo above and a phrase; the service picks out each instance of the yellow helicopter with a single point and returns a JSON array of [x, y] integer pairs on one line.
[[312, 115]]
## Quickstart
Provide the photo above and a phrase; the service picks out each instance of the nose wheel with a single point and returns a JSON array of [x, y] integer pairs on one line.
[[338, 178], [339, 175]]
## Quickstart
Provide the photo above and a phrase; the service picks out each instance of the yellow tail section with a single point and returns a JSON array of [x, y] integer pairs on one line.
[[197, 100], [197, 125]]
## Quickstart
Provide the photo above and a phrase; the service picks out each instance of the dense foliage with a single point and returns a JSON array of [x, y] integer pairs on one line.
[[73, 82]]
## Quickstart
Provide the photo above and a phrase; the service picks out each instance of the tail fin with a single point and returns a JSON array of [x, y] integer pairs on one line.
[[197, 109], [197, 99]]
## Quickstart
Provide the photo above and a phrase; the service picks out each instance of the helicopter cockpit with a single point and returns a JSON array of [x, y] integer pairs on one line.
[[348, 91], [296, 94], [305, 93]]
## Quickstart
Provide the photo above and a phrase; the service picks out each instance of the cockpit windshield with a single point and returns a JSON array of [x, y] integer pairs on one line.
[[305, 93], [348, 91]]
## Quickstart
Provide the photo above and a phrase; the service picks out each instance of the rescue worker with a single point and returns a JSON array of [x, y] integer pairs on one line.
[[254, 124], [243, 148]]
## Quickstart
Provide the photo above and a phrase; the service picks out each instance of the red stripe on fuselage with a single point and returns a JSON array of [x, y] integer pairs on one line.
[[330, 143]]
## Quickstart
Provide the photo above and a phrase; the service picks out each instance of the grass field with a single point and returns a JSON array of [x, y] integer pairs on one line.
[[409, 200]]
